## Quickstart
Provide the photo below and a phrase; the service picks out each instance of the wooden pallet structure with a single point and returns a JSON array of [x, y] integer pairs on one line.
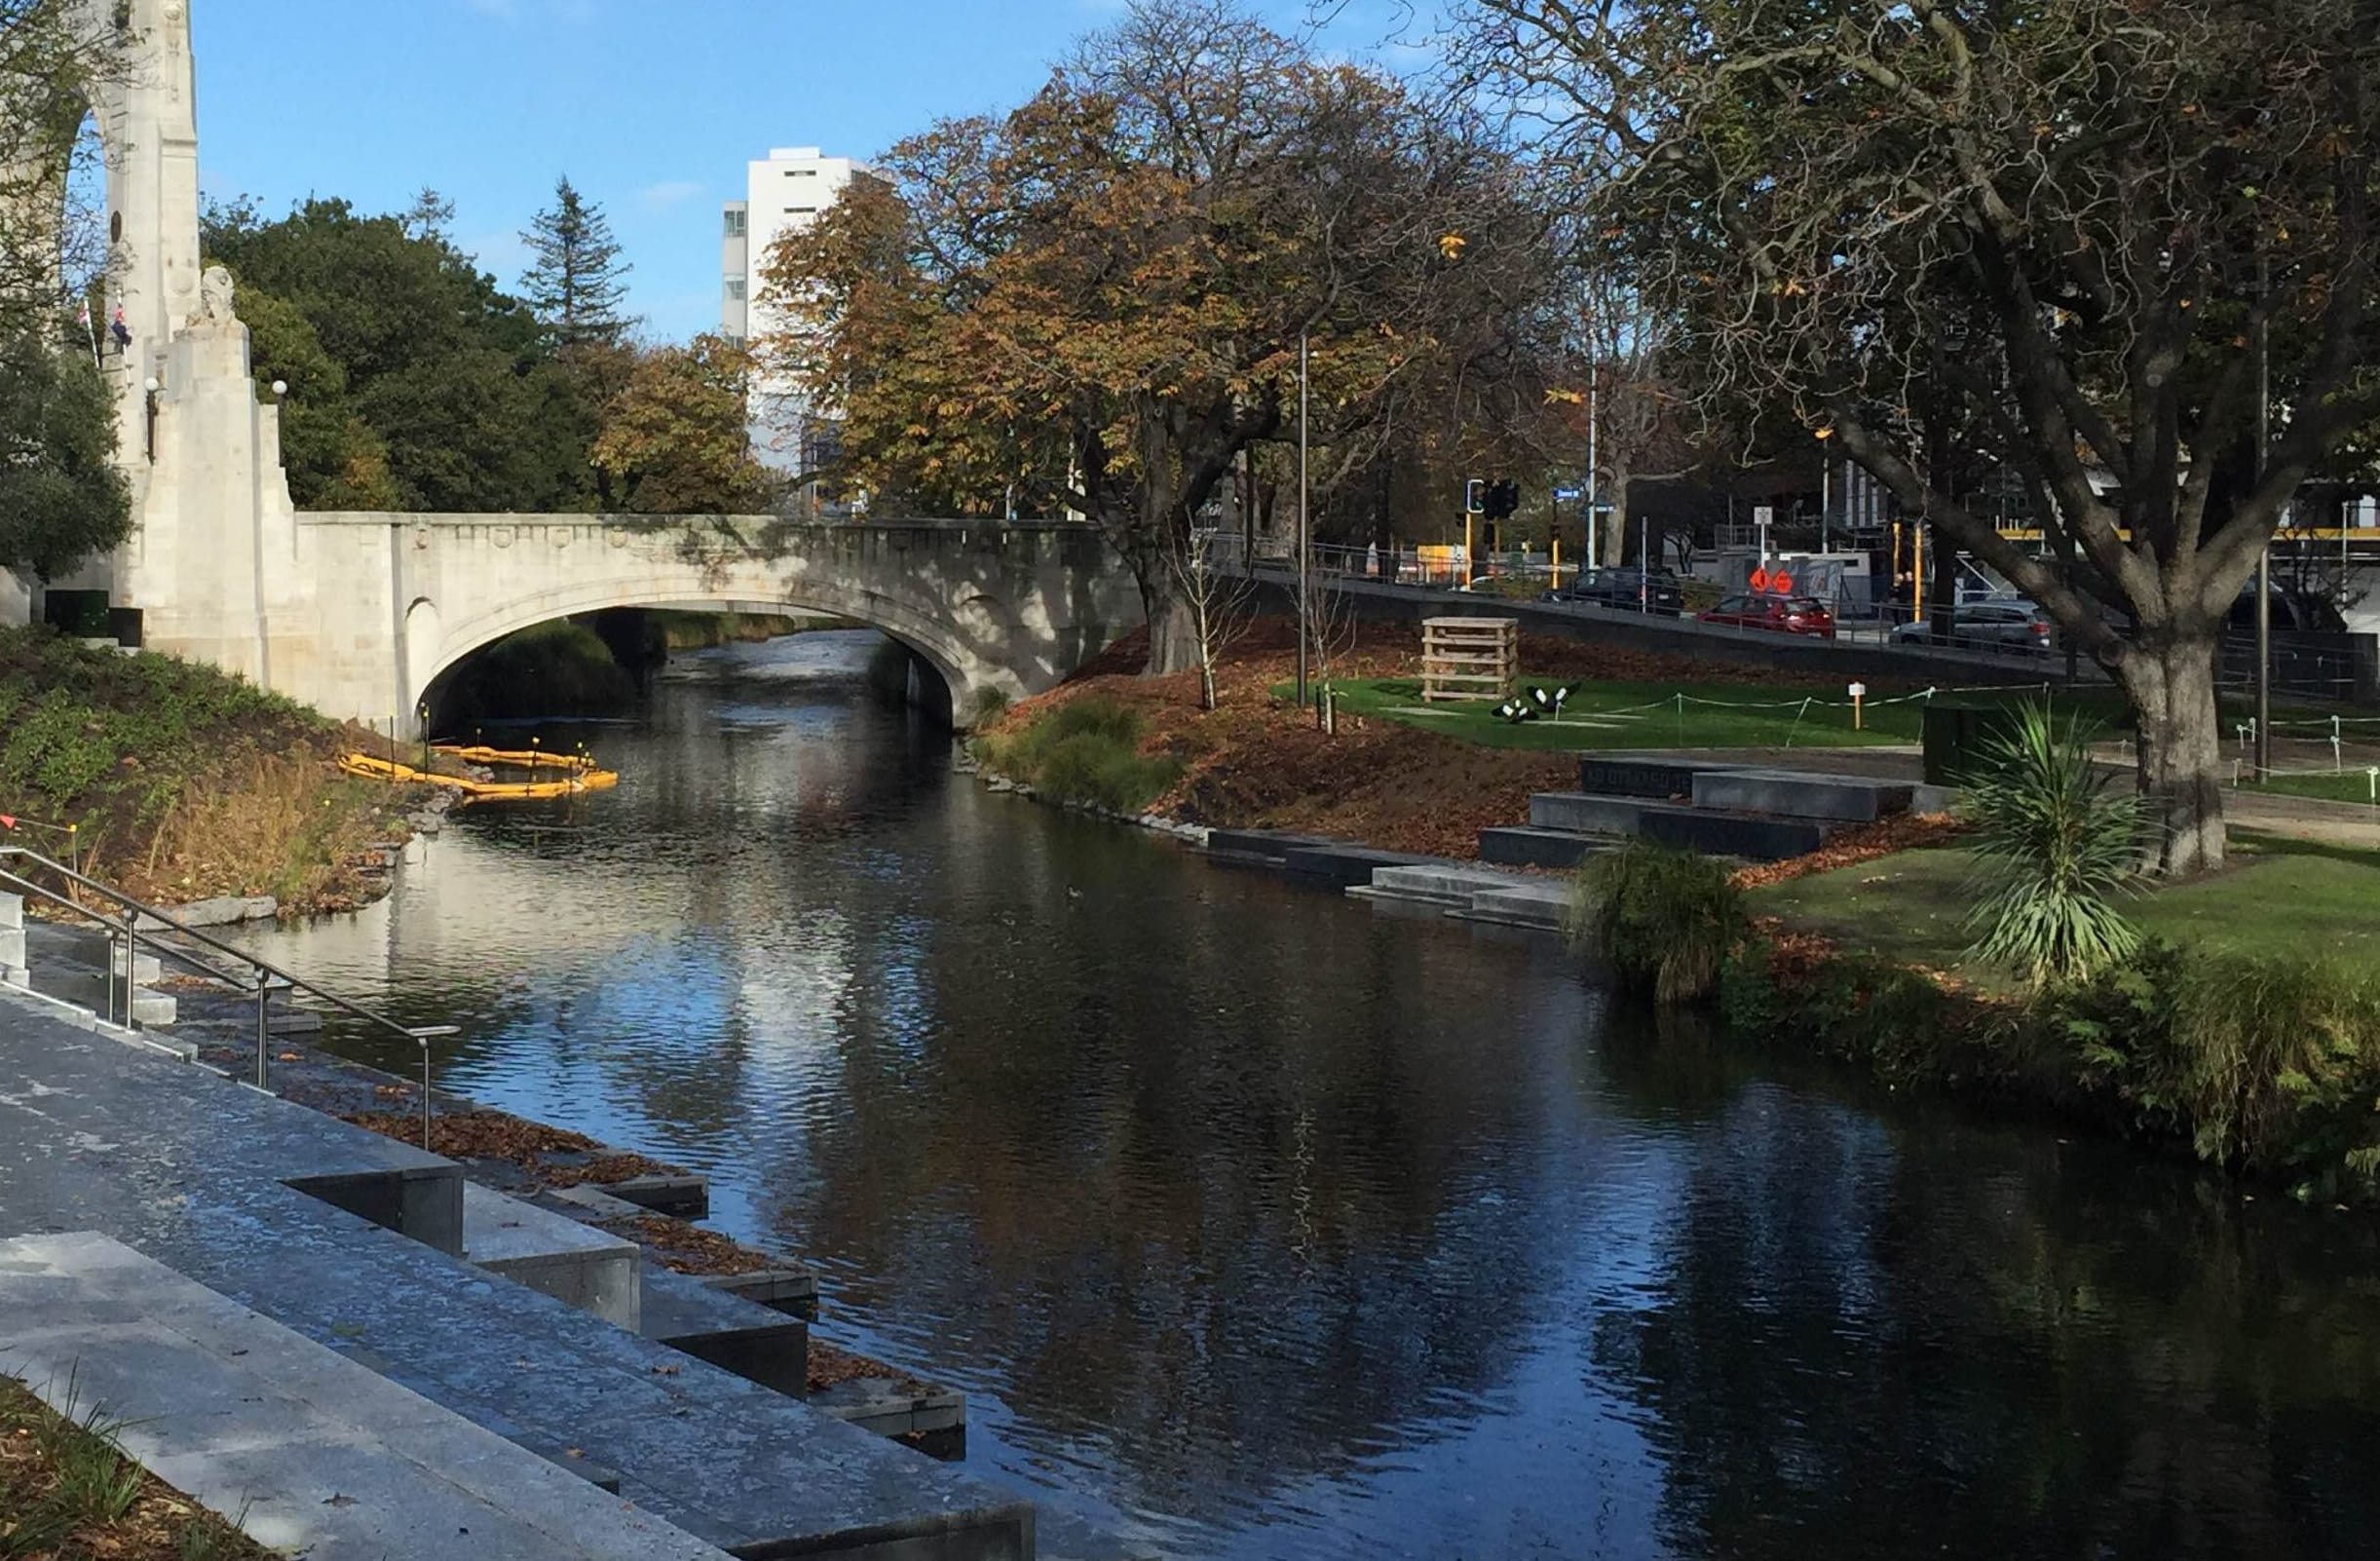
[[1470, 658]]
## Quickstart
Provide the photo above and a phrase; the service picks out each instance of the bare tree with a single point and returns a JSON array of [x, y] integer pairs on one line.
[[1219, 600]]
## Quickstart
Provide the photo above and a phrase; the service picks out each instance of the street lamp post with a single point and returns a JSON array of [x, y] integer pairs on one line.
[[1303, 600], [2264, 558]]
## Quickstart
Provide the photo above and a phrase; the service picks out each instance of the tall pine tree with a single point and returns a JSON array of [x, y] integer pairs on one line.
[[577, 281]]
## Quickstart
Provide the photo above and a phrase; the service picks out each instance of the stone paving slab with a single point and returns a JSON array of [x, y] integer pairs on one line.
[[192, 1171], [309, 1451]]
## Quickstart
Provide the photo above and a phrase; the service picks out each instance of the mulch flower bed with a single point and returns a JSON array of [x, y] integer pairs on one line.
[[528, 1144], [68, 1493], [1851, 847]]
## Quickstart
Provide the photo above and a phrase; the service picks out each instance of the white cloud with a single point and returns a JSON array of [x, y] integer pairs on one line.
[[668, 194]]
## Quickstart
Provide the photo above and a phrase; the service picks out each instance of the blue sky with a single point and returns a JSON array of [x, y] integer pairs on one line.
[[650, 107]]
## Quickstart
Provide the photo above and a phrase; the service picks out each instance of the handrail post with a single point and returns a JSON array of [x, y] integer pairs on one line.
[[107, 974], [424, 1041], [264, 1026], [132, 968]]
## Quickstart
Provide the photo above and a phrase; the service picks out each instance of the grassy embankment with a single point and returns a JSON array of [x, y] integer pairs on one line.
[[67, 1490], [183, 783]]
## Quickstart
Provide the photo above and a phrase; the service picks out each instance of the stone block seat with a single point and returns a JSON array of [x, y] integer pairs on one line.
[[312, 1453], [343, 1237]]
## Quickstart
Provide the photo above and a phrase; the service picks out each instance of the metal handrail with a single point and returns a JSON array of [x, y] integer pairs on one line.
[[265, 970]]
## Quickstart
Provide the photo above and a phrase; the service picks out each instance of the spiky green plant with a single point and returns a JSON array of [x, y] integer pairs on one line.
[[1663, 919], [2056, 847]]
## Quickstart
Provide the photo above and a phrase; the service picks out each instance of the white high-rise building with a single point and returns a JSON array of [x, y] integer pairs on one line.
[[782, 194]]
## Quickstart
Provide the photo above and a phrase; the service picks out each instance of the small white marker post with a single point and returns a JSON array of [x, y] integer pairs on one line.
[[2372, 775], [1858, 691]]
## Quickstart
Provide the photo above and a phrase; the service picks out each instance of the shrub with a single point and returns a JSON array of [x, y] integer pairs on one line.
[[2262, 1063], [1664, 920], [1087, 750], [2055, 847]]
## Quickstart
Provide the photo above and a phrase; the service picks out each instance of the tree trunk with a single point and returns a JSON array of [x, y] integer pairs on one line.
[[1614, 543], [1173, 628], [2171, 680]]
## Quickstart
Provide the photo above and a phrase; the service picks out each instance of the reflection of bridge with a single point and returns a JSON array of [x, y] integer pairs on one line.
[[357, 613]]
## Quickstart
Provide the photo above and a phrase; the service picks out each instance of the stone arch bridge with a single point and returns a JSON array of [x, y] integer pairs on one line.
[[356, 614], [362, 612]]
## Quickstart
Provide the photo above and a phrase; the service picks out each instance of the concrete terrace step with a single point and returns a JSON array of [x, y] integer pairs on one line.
[[1434, 884], [1759, 837], [1266, 848], [1533, 846], [309, 1452], [1544, 906], [1343, 867], [754, 1342], [213, 1179], [1655, 776], [1798, 794], [594, 1271]]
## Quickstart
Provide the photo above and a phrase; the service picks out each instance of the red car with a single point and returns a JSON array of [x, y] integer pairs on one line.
[[1779, 615]]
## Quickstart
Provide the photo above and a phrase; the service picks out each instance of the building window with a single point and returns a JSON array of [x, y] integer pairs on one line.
[[735, 224], [734, 289], [801, 210], [801, 173], [738, 343]]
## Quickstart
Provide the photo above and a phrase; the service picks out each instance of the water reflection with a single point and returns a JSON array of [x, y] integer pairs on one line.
[[1270, 1226]]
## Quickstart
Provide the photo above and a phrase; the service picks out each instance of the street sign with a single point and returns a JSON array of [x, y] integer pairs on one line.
[[1763, 515], [1569, 493]]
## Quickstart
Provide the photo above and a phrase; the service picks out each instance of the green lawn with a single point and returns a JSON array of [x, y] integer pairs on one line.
[[2278, 897], [1654, 716], [2350, 785]]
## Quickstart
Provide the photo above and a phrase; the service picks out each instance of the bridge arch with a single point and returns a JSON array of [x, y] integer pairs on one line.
[[434, 651]]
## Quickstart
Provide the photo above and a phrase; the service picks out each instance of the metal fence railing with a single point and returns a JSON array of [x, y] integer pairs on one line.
[[123, 923]]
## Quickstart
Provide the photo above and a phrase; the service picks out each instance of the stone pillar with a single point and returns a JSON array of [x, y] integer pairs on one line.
[[216, 523]]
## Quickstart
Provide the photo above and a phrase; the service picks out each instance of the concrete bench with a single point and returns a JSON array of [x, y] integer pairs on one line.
[[554, 1255], [308, 1451]]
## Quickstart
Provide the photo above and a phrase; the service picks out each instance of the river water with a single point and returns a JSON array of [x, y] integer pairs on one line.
[[1262, 1223]]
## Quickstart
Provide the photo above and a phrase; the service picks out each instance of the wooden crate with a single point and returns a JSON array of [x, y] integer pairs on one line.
[[1470, 658]]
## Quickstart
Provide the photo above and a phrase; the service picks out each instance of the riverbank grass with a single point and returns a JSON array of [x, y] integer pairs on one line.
[[1087, 750], [1911, 907], [181, 781]]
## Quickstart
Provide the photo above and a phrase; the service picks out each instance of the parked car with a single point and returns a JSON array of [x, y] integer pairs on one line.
[[1628, 590], [2002, 624], [1780, 615]]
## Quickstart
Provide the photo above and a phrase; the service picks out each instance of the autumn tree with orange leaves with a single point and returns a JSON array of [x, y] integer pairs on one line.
[[1094, 304]]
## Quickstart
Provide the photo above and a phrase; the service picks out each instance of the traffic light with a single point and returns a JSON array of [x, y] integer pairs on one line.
[[1503, 499]]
